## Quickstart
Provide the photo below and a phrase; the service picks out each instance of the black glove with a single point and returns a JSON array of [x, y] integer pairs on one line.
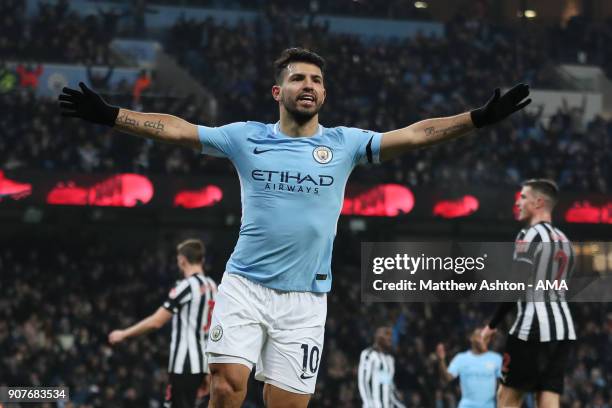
[[500, 107], [87, 105]]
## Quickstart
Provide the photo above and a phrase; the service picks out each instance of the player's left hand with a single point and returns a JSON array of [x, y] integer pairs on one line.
[[116, 336], [500, 106], [441, 351]]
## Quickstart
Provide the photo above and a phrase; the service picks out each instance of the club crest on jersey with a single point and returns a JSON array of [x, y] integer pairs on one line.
[[216, 333], [322, 154]]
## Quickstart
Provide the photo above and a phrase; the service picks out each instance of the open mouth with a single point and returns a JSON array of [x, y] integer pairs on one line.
[[306, 99]]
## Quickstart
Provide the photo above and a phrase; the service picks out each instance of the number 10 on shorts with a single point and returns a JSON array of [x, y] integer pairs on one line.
[[310, 361]]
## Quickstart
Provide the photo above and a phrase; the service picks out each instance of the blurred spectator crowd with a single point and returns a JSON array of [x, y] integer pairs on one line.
[[56, 33], [391, 9], [36, 137], [371, 84], [59, 305]]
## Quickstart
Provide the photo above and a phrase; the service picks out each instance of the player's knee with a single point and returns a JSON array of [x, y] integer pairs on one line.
[[225, 384], [546, 399], [500, 394], [222, 390], [276, 398], [502, 397], [274, 403], [508, 398]]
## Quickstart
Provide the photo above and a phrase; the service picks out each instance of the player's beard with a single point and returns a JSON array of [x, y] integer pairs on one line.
[[300, 115]]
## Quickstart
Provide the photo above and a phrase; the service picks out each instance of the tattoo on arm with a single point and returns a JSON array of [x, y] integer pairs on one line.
[[150, 125], [126, 120], [433, 132], [158, 126]]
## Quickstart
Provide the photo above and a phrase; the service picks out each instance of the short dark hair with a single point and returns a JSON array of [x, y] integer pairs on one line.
[[193, 250], [543, 186], [296, 54]]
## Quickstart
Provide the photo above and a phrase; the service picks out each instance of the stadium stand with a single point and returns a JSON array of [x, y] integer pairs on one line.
[[378, 86], [55, 34], [396, 9]]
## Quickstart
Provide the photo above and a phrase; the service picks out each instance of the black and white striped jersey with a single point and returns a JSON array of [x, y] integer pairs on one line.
[[545, 315], [191, 301], [375, 380]]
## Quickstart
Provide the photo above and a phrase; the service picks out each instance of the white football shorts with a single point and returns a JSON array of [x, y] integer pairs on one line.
[[279, 332]]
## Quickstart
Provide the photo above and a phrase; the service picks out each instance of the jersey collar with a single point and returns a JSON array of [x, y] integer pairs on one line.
[[277, 131]]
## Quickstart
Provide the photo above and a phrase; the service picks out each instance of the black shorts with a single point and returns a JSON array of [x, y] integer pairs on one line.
[[182, 390], [535, 366]]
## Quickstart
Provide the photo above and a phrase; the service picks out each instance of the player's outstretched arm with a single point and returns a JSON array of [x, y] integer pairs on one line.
[[432, 131], [443, 369], [88, 105], [152, 322]]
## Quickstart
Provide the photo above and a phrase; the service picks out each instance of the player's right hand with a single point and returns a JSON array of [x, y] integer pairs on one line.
[[87, 104], [116, 336]]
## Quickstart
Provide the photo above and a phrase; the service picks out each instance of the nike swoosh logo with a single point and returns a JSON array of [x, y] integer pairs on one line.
[[305, 377], [261, 151]]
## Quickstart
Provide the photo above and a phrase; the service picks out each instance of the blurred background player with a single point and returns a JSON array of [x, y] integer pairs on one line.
[[477, 369], [376, 372], [190, 304], [272, 303], [540, 340]]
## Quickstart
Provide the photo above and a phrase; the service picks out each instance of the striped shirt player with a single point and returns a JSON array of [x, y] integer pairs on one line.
[[376, 372], [542, 333], [189, 304], [545, 316]]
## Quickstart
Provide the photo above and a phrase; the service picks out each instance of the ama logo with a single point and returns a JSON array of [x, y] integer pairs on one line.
[[556, 285]]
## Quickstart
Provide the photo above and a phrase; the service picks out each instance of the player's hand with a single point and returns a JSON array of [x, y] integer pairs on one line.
[[486, 334], [441, 351], [500, 106], [116, 336], [87, 104]]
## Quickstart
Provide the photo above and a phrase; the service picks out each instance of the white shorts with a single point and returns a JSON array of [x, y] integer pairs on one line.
[[279, 332]]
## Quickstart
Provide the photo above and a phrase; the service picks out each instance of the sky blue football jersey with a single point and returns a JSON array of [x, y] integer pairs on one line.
[[478, 374], [292, 191]]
